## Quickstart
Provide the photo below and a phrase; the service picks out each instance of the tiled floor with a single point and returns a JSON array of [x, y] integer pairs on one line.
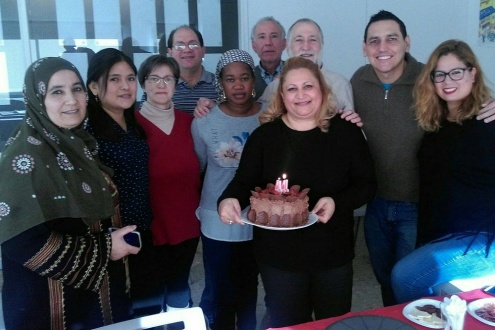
[[366, 291]]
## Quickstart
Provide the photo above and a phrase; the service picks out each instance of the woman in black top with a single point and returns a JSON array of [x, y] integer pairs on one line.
[[307, 270], [456, 225]]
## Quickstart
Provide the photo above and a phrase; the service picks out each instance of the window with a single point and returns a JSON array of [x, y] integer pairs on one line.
[[31, 29]]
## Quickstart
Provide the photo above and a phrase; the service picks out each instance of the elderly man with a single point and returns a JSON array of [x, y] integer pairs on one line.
[[305, 39], [185, 44], [268, 41]]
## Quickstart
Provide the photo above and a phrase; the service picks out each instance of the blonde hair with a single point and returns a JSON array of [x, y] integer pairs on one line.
[[277, 108], [431, 110]]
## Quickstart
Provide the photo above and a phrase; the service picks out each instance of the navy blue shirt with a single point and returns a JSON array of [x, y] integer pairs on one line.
[[129, 160]]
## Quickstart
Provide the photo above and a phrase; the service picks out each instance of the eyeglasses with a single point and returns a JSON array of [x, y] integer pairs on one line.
[[168, 80], [181, 46], [455, 74]]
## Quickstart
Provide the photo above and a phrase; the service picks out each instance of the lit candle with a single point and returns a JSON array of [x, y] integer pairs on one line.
[[278, 186], [285, 183]]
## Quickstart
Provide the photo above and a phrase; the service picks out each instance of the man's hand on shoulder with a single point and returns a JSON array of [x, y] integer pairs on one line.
[[487, 113], [203, 107], [351, 116]]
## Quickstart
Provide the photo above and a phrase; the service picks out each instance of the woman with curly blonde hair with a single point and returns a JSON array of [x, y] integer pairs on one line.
[[308, 270], [432, 109], [328, 107], [456, 224]]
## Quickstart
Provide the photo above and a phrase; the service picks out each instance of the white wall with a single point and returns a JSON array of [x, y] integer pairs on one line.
[[428, 23]]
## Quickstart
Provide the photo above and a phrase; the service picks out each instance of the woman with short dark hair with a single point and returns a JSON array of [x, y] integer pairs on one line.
[[174, 180]]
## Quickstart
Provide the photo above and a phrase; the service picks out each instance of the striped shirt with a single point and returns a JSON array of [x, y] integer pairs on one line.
[[186, 97]]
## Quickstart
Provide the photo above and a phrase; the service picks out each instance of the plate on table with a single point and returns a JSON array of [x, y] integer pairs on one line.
[[425, 319], [312, 219], [476, 305]]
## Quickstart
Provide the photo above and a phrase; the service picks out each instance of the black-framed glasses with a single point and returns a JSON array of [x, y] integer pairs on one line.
[[181, 46], [168, 80], [454, 74]]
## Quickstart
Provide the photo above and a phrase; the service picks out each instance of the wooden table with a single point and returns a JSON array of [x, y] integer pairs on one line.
[[396, 313]]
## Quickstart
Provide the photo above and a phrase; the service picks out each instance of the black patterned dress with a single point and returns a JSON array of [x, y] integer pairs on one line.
[[58, 275]]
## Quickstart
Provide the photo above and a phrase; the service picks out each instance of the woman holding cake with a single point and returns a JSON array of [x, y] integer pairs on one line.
[[307, 270], [231, 272]]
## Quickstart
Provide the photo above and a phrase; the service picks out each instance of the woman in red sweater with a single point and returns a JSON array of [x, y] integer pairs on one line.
[[174, 178]]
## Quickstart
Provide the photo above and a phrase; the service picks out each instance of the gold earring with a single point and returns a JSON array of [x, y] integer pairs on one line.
[[223, 98], [96, 98], [253, 94]]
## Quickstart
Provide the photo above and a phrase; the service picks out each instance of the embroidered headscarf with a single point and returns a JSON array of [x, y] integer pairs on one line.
[[230, 56], [48, 172]]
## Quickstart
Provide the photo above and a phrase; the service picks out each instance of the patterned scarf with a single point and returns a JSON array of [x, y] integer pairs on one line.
[[233, 55], [48, 172]]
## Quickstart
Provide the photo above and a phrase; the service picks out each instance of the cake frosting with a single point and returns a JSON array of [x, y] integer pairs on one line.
[[270, 207]]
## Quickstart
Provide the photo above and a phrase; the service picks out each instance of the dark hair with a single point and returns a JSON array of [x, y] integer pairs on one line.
[[170, 41], [99, 67], [384, 15], [155, 61]]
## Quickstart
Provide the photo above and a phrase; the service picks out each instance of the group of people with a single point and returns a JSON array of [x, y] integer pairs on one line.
[[399, 99], [84, 159]]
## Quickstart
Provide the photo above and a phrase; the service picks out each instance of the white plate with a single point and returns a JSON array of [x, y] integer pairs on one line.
[[312, 219], [474, 305], [410, 310]]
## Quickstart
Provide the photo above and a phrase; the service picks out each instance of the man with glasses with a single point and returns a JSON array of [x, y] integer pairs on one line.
[[383, 98], [185, 45]]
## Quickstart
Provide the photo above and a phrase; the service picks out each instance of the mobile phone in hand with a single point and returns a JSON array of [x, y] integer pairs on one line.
[[133, 238], [490, 290]]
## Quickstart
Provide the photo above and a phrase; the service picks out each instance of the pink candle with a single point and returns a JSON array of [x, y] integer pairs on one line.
[[278, 186], [285, 183]]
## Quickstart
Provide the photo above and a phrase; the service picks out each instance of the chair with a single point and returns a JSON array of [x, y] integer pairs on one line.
[[193, 319]]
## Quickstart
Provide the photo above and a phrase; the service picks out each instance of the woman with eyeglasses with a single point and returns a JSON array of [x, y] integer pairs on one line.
[[174, 179], [457, 176], [112, 86]]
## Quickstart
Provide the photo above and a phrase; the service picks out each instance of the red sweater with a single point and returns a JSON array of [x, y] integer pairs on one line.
[[174, 181]]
